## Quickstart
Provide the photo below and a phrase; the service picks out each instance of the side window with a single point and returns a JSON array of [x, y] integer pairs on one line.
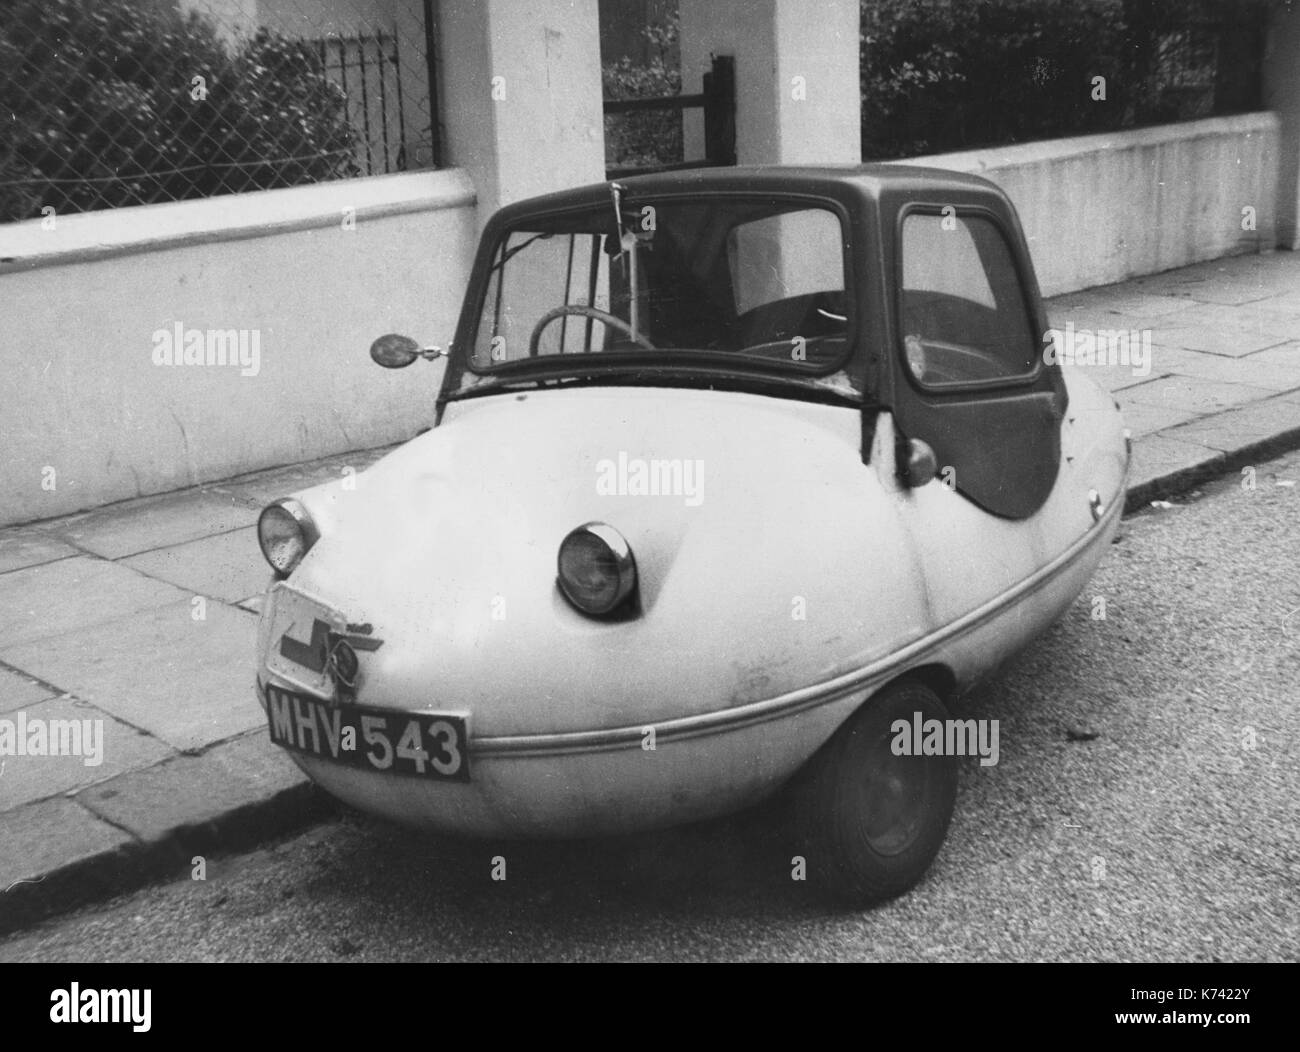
[[964, 313]]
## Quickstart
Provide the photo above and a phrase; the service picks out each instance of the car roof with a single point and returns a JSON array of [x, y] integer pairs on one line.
[[840, 182]]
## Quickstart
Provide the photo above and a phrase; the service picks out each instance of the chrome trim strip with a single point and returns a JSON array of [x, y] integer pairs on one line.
[[806, 697]]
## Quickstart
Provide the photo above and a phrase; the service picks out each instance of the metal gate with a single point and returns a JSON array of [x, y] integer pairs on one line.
[[717, 100]]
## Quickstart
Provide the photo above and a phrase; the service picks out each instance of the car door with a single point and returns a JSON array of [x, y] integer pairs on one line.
[[969, 374], [968, 377]]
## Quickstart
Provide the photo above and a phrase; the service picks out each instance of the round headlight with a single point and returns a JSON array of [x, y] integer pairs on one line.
[[286, 533], [596, 568]]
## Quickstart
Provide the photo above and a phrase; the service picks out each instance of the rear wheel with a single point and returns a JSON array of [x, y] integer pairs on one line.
[[871, 822]]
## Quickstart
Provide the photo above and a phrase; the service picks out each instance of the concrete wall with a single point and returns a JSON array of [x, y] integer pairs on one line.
[[1103, 208], [89, 417], [84, 304], [1282, 96], [521, 95]]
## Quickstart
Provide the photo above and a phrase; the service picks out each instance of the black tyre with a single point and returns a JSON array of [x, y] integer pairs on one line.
[[872, 822]]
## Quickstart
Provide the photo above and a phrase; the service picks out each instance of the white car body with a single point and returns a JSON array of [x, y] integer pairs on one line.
[[788, 576]]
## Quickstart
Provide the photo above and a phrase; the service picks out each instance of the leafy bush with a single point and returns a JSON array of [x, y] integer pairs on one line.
[[100, 108], [954, 74], [652, 137]]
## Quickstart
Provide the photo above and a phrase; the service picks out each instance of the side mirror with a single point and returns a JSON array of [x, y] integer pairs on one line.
[[921, 465], [395, 351]]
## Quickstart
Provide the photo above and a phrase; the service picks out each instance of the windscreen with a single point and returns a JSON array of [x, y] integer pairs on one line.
[[750, 280]]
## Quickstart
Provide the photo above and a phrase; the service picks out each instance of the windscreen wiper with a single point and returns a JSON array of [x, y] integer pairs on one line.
[[627, 243]]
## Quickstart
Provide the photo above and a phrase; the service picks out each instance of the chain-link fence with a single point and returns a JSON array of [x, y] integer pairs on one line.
[[105, 103]]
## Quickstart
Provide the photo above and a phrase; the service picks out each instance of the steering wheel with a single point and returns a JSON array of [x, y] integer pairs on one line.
[[604, 317]]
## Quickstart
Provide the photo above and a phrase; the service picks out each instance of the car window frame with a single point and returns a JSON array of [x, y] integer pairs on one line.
[[1017, 380], [740, 363]]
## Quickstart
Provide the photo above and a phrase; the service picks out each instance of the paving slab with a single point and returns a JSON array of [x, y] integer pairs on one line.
[[1230, 286], [258, 490], [1255, 370], [153, 522], [1263, 269], [187, 682], [1142, 419], [1286, 303], [45, 837], [1193, 394], [1114, 378], [1120, 299], [170, 796], [228, 566], [1098, 318], [48, 600], [252, 758], [1286, 354], [1250, 320], [30, 547], [1235, 294], [119, 747], [18, 691], [1158, 458], [1236, 428], [1232, 343]]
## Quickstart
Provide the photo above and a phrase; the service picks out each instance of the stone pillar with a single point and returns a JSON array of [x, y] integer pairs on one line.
[[521, 96], [1282, 94], [798, 100]]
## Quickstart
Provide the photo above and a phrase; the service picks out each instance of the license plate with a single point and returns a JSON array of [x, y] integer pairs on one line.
[[418, 744]]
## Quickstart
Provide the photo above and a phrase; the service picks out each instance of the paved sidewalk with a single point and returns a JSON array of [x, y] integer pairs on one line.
[[143, 614], [1223, 386]]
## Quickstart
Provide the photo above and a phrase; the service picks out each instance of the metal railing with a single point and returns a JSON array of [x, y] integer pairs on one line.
[[375, 102]]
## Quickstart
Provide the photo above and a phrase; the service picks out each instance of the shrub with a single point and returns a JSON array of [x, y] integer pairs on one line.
[[954, 74], [652, 137], [102, 110]]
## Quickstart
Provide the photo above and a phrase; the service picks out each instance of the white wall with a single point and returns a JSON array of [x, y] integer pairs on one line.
[[1103, 208], [1282, 95], [82, 304], [83, 301], [521, 95], [798, 100]]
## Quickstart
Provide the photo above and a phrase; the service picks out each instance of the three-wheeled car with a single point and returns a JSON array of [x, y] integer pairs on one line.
[[733, 474]]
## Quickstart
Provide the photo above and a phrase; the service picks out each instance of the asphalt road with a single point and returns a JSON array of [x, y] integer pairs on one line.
[[1146, 806]]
